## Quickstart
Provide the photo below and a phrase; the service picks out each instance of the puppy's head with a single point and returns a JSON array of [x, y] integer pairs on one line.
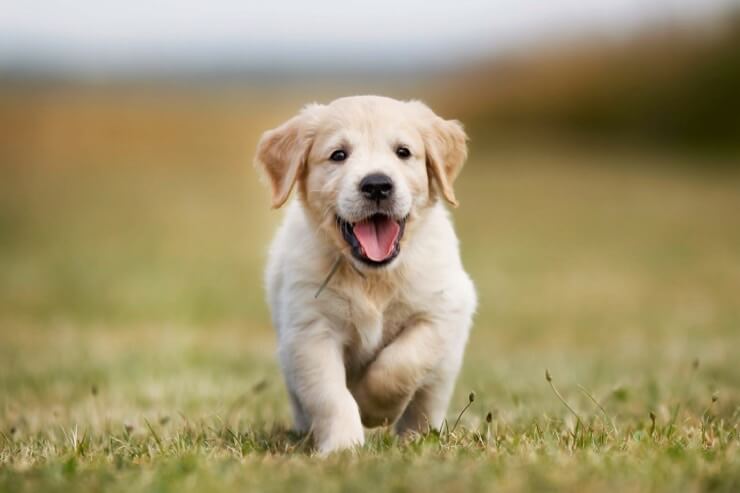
[[366, 168]]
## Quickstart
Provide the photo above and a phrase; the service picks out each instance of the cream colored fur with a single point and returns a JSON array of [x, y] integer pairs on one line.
[[378, 345]]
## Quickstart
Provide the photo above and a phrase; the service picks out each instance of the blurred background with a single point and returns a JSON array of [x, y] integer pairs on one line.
[[600, 206]]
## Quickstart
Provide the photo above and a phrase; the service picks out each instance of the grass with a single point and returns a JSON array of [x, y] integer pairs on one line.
[[137, 354]]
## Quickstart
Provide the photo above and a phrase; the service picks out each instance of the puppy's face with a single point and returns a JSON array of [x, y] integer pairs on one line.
[[367, 168]]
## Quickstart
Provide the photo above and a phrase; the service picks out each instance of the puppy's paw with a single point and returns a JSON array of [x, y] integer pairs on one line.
[[340, 432], [380, 402]]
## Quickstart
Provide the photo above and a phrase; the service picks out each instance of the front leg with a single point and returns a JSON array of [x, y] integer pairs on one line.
[[313, 363], [393, 377]]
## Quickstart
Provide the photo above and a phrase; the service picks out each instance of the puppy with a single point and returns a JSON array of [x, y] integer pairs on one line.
[[367, 292]]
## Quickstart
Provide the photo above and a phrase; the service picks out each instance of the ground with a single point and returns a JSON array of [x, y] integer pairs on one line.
[[137, 353]]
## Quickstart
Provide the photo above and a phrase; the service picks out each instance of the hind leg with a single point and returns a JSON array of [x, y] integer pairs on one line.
[[429, 405]]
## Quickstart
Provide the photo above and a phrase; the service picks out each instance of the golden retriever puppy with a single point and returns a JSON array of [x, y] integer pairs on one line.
[[369, 298]]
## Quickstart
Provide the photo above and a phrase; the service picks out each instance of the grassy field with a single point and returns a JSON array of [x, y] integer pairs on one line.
[[137, 354]]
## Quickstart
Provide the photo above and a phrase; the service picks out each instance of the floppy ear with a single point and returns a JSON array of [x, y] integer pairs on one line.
[[282, 153], [447, 148]]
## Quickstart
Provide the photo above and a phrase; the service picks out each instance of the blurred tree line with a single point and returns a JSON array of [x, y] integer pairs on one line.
[[670, 87]]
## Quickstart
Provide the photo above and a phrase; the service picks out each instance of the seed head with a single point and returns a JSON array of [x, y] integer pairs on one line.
[[489, 417], [471, 397], [715, 396], [548, 377]]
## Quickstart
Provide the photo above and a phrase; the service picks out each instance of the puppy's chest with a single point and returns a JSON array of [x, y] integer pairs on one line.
[[372, 327]]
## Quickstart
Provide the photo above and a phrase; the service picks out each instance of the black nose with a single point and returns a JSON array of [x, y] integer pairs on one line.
[[376, 186]]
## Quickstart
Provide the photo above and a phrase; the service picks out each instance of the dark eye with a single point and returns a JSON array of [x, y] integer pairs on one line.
[[403, 152], [338, 156]]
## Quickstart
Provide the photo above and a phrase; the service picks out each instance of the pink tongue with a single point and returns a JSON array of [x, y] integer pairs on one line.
[[377, 236]]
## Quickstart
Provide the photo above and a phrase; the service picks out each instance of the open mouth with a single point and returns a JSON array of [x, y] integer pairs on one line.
[[375, 240]]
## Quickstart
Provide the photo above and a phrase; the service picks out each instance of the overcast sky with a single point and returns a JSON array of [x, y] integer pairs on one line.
[[130, 33]]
